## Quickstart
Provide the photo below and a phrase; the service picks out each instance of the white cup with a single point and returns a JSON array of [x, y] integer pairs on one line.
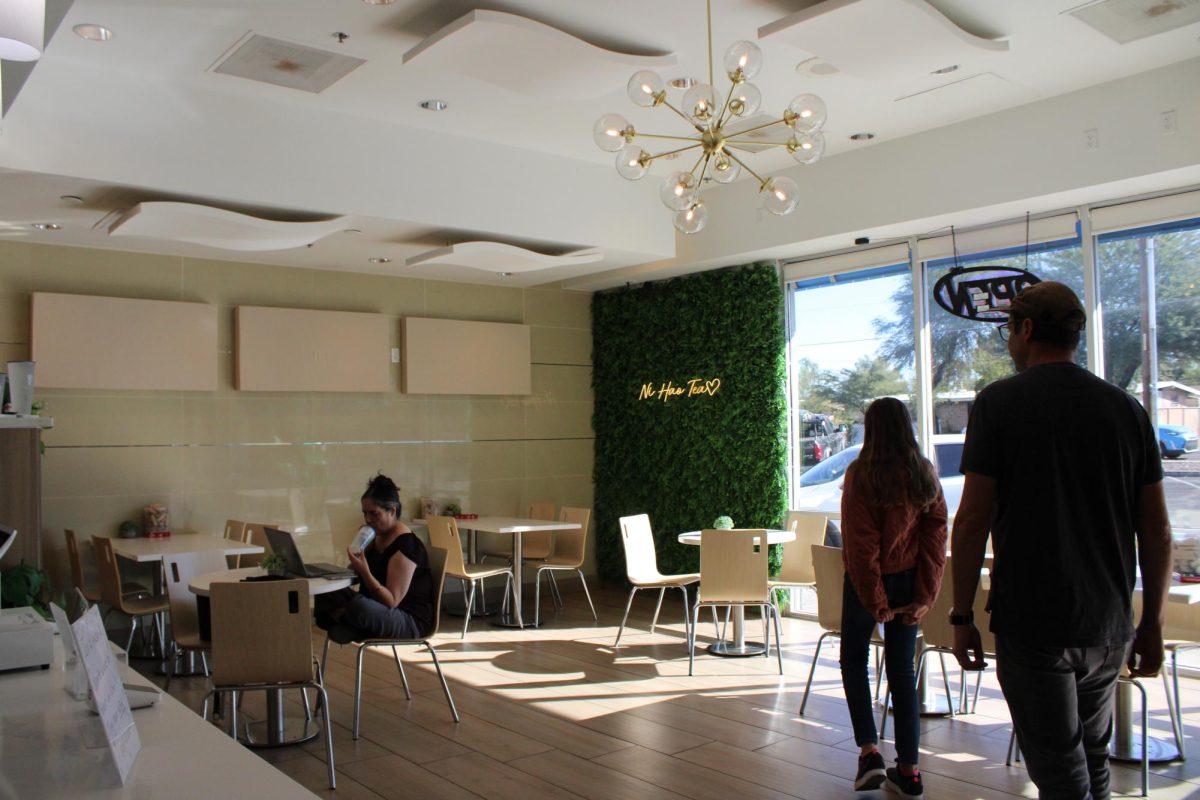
[[20, 387], [361, 539]]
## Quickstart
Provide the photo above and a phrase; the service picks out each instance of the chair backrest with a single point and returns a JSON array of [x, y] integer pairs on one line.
[[261, 633], [830, 571], [443, 534], [255, 534], [179, 569], [73, 558], [571, 546], [235, 531], [733, 566], [936, 629], [110, 572], [437, 571], [539, 544], [809, 527], [641, 561]]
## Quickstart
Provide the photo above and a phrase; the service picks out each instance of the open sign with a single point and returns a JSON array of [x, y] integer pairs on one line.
[[981, 293]]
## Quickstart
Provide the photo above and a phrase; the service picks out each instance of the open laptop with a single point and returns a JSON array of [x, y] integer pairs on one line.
[[283, 544]]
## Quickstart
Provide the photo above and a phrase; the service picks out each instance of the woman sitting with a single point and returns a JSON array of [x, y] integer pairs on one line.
[[395, 597]]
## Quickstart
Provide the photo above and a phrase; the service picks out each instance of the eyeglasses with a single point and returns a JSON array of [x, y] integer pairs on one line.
[[1003, 330]]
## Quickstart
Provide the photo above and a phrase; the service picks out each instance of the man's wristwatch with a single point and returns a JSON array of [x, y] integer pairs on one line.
[[963, 619]]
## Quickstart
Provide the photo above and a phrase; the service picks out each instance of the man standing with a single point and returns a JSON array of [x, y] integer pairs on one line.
[[1063, 469]]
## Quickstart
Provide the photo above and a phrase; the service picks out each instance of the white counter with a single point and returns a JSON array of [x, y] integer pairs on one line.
[[12, 421]]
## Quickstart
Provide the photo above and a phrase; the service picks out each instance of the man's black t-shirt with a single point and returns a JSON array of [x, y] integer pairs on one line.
[[1069, 453]]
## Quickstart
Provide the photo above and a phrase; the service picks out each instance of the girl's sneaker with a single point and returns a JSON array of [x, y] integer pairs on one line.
[[871, 772], [906, 785]]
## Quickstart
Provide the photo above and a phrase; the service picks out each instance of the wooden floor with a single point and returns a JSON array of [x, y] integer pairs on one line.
[[557, 712]]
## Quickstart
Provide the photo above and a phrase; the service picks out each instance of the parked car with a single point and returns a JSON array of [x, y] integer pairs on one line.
[[819, 438], [1175, 440], [821, 487]]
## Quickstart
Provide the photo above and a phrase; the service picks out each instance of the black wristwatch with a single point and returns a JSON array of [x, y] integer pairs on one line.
[[963, 619]]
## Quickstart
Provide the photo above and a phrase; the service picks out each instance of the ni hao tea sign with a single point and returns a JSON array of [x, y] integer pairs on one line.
[[668, 390]]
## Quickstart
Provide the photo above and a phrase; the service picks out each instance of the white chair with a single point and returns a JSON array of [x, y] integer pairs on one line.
[[569, 550], [179, 569], [443, 533], [733, 572], [796, 571], [135, 606]]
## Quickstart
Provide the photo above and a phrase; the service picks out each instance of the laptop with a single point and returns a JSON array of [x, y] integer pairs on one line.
[[283, 544]]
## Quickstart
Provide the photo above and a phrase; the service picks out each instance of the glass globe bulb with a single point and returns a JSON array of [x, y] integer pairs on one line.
[[699, 104], [806, 113], [725, 169], [632, 162], [807, 148], [679, 191], [645, 87], [780, 195], [743, 56], [691, 220], [609, 132], [745, 100]]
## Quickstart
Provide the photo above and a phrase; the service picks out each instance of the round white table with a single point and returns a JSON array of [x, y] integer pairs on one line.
[[738, 647], [275, 730]]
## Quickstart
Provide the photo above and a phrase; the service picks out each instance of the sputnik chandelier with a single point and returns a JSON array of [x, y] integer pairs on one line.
[[717, 161]]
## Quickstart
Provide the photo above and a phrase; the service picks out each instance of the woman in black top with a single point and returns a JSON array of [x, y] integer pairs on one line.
[[395, 597]]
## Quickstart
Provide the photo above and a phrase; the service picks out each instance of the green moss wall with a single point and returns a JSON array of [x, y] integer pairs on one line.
[[688, 459]]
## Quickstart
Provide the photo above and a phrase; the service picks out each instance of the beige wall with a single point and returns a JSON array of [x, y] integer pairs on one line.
[[299, 460]]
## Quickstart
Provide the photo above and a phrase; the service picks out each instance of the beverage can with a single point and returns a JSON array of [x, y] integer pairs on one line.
[[363, 538]]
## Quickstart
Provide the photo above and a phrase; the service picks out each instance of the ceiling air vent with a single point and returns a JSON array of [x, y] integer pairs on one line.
[[1126, 21], [294, 66]]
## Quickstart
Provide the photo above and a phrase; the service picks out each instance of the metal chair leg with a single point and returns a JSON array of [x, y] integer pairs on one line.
[[133, 623], [587, 594], [1173, 710], [328, 735], [628, 603], [558, 602], [778, 639], [1014, 749], [887, 701], [813, 668], [946, 683], [358, 674], [445, 686], [766, 632], [308, 714], [403, 677], [233, 707], [692, 646], [657, 606], [537, 598], [689, 630], [467, 616]]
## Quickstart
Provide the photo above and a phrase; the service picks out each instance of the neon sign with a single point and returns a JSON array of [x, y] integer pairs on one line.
[[667, 391], [983, 293]]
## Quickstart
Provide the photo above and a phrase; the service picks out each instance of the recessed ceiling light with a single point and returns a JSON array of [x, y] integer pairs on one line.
[[73, 199], [352, 231], [945, 70], [379, 260], [817, 68], [93, 32], [683, 82], [434, 105], [47, 226], [861, 137]]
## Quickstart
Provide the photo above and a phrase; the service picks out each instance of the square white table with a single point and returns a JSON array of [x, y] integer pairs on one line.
[[145, 549]]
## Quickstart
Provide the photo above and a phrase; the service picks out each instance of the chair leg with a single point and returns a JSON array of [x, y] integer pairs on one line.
[[174, 655], [946, 683], [467, 616], [628, 603], [689, 629], [587, 594], [692, 646], [1014, 749], [1178, 704], [204, 662], [308, 714], [558, 603], [328, 734], [1145, 737], [1172, 709], [445, 686], [537, 598], [812, 669], [887, 701], [778, 639], [878, 669], [657, 606], [511, 590], [403, 677], [766, 632], [133, 623], [234, 698], [358, 674]]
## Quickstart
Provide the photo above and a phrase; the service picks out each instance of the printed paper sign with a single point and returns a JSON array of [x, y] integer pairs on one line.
[[105, 681], [76, 681]]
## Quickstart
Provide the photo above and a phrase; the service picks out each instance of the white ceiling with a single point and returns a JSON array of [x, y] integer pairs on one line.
[[143, 118]]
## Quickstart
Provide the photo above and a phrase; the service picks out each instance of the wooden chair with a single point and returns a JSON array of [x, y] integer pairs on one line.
[[179, 569], [235, 530], [829, 572], [135, 606], [797, 568], [733, 572], [437, 567], [76, 564], [569, 550], [255, 534], [641, 570], [262, 639], [443, 533]]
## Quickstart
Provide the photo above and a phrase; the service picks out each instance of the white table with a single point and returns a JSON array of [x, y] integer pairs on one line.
[[275, 730], [51, 747], [739, 647], [144, 549], [516, 526]]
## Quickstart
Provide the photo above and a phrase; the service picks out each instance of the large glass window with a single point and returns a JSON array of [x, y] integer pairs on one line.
[[1163, 374]]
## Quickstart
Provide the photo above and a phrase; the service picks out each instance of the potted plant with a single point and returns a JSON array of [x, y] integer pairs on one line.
[[723, 523], [274, 565], [452, 510], [128, 530]]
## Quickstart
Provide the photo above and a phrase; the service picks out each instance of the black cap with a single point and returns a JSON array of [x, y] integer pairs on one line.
[[1050, 303]]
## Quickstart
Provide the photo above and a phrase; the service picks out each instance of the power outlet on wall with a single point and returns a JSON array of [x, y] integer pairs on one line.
[[395, 355]]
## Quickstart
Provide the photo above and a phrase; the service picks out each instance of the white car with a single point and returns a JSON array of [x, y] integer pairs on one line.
[[821, 487]]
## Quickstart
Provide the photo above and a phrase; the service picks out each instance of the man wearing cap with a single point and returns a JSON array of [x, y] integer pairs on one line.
[[1063, 469]]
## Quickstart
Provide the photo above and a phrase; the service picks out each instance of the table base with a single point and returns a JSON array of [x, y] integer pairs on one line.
[[733, 650], [1161, 750], [932, 707], [510, 621], [294, 731]]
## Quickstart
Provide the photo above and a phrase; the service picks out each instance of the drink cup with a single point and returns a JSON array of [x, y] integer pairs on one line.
[[361, 539]]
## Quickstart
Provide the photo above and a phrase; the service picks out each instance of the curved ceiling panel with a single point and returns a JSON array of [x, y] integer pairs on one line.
[[216, 227], [528, 57], [880, 39], [497, 257]]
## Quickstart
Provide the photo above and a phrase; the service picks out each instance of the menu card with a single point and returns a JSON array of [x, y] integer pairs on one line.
[[76, 683], [112, 704]]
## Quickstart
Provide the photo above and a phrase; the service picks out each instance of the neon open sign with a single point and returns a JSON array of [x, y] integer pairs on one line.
[[981, 293]]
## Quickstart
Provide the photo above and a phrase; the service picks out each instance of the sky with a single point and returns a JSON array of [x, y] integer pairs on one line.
[[833, 321]]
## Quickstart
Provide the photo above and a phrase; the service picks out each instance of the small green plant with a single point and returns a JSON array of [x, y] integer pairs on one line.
[[274, 564], [128, 529], [451, 509], [723, 523], [26, 585]]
